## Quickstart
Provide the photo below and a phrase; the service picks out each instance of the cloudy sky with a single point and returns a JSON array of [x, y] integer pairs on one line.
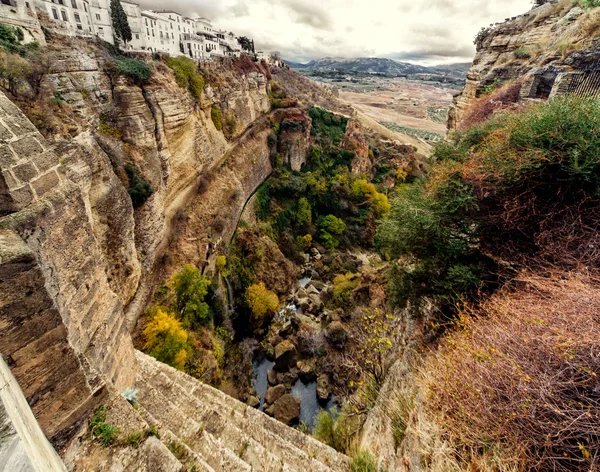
[[421, 31]]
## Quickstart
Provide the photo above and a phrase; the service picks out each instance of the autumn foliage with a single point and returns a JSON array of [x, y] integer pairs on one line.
[[516, 385], [262, 302], [166, 340]]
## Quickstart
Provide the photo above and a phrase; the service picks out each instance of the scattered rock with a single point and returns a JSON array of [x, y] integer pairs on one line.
[[337, 335], [311, 289], [324, 389], [274, 393], [286, 329], [253, 401], [307, 371], [270, 410], [318, 285], [285, 356], [272, 377], [287, 410], [288, 378]]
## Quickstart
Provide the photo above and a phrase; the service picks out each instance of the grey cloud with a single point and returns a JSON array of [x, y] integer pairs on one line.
[[308, 13]]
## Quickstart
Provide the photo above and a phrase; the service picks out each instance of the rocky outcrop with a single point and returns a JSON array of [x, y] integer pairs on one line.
[[75, 252], [550, 50]]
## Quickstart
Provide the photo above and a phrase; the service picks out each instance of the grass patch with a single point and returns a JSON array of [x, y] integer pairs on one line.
[[105, 433], [186, 75]]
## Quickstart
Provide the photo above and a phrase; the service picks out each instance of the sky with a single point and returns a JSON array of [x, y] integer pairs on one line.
[[426, 32]]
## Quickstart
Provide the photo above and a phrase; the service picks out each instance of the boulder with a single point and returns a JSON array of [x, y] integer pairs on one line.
[[285, 356], [318, 285], [288, 378], [311, 289], [253, 401], [287, 410], [272, 377], [274, 393], [286, 329], [306, 371], [324, 388], [337, 335]]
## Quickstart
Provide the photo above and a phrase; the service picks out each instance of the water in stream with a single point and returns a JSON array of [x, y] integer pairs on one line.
[[306, 393]]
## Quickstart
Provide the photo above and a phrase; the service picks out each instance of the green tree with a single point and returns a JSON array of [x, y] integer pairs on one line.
[[304, 214], [329, 227], [119, 21], [190, 288]]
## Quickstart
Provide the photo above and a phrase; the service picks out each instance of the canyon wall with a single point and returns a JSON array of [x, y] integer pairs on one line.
[[78, 261], [551, 50]]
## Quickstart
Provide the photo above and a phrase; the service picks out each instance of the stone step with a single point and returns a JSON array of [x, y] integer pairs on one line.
[[159, 410], [218, 423], [297, 450]]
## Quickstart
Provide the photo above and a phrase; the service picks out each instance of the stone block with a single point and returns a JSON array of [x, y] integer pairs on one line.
[[27, 147], [46, 161], [25, 172], [5, 134], [7, 157], [22, 196], [45, 183], [9, 180]]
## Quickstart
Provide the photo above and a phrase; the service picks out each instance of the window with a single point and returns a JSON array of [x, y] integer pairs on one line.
[[74, 4], [101, 31], [55, 13], [137, 36], [98, 17], [79, 27], [64, 15], [85, 7], [77, 19]]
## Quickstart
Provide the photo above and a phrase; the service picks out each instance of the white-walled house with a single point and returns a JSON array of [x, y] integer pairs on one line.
[[101, 20], [155, 29], [73, 17], [22, 14], [134, 18]]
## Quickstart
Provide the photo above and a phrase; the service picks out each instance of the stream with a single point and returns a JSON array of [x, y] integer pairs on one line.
[[306, 393]]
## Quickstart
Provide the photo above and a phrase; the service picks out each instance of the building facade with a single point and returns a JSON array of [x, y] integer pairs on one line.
[[164, 31]]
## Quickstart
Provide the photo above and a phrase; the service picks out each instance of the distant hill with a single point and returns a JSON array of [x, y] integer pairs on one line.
[[387, 67]]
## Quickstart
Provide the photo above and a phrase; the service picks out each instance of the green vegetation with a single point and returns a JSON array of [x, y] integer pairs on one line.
[[166, 340], [190, 289], [364, 461], [217, 118], [417, 133], [120, 22], [439, 115], [522, 53], [186, 75], [11, 39], [261, 301], [329, 227], [343, 285], [138, 71], [139, 189], [105, 433]]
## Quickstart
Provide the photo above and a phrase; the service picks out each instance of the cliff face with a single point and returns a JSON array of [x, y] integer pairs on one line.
[[77, 259], [550, 50]]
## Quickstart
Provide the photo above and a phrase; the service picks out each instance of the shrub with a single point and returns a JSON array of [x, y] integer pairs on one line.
[[166, 340], [361, 188], [105, 433], [343, 286], [139, 189], [14, 71], [190, 288], [325, 428], [186, 75], [515, 383], [499, 99], [364, 461], [138, 71], [522, 53], [261, 301], [329, 227], [304, 242], [304, 213], [217, 118]]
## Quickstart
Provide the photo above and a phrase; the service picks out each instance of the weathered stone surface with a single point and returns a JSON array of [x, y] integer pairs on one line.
[[285, 356], [253, 401], [45, 183], [274, 393], [272, 377], [287, 410], [324, 388]]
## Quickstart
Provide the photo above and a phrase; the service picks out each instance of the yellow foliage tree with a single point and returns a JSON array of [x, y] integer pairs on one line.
[[261, 301], [166, 340], [379, 201]]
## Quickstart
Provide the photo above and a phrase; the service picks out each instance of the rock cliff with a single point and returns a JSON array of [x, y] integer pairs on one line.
[[78, 260], [549, 50]]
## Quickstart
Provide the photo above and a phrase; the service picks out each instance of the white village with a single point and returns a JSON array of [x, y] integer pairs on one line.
[[152, 31]]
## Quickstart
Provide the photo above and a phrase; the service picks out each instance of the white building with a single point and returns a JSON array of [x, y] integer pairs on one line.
[[73, 17], [157, 36], [134, 18], [22, 14]]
